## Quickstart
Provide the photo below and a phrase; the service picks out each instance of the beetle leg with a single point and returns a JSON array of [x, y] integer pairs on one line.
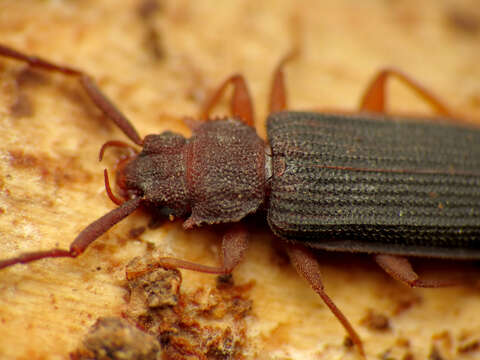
[[374, 97], [241, 104], [308, 267], [399, 268], [83, 240], [278, 92], [95, 94], [234, 245]]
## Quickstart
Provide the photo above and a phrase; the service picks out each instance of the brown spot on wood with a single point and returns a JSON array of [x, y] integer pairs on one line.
[[468, 347], [376, 321], [224, 281], [406, 302], [61, 171], [152, 38], [29, 76], [147, 8], [19, 159], [348, 343], [154, 43], [435, 354], [22, 106], [136, 232], [407, 18], [463, 21], [403, 342]]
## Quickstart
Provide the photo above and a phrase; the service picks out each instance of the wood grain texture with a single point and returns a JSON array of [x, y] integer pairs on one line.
[[158, 66]]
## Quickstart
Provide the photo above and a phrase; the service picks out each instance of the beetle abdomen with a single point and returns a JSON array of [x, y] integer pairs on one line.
[[351, 183]]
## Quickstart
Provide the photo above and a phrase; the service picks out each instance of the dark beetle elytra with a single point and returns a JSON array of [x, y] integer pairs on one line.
[[361, 182], [375, 185]]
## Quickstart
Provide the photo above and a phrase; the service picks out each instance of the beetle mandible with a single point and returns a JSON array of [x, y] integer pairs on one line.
[[360, 182]]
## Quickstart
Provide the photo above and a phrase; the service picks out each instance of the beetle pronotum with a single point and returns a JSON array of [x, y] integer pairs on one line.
[[363, 182]]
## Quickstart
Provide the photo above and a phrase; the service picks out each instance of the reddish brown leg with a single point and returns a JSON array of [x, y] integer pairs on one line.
[[375, 96], [234, 245], [400, 269], [83, 240], [100, 100], [241, 105], [278, 93], [307, 266]]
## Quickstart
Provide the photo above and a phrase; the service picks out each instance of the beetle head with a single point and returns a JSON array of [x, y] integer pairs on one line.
[[157, 174]]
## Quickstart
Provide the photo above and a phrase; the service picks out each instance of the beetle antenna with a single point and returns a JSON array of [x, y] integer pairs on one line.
[[109, 189], [102, 102], [83, 240], [115, 143]]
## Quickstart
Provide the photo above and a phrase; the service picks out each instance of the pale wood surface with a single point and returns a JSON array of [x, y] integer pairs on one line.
[[51, 185]]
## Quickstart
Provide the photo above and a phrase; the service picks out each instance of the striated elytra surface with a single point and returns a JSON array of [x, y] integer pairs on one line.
[[352, 183]]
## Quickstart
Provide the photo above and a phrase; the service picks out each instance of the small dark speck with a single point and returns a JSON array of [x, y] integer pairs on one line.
[[463, 21], [224, 281], [153, 39], [148, 7], [98, 268], [136, 232], [376, 321], [348, 343], [435, 354], [22, 107]]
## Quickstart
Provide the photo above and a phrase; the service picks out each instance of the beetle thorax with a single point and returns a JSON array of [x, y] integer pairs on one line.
[[217, 175]]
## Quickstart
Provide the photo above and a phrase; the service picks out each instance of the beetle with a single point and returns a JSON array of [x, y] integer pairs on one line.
[[364, 182]]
